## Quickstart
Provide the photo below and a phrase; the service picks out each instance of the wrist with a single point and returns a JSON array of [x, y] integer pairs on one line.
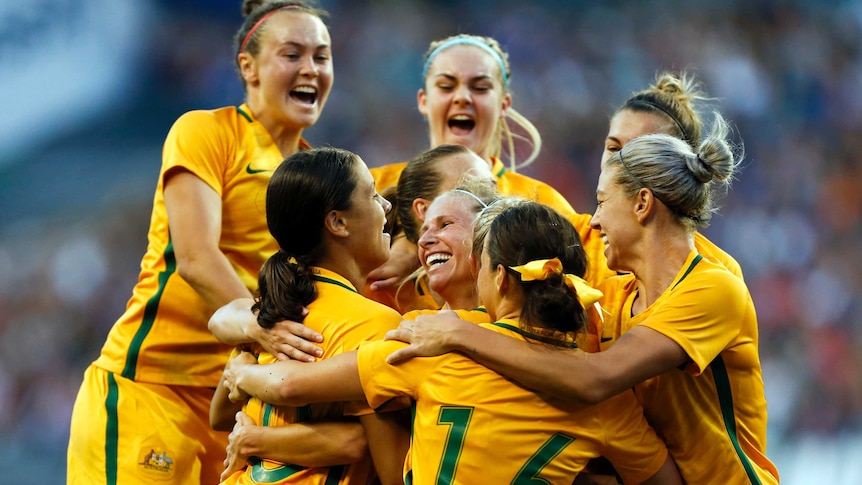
[[453, 338], [249, 441]]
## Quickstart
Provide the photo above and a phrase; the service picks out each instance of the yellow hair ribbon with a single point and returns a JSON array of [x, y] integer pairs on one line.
[[540, 269]]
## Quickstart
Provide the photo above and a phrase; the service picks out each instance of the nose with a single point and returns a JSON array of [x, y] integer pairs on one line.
[[308, 66], [427, 239], [594, 221], [462, 94], [387, 206]]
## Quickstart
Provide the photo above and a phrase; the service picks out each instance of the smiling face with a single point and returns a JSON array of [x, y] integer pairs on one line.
[[289, 80], [615, 220], [626, 125], [366, 220], [464, 99], [445, 245]]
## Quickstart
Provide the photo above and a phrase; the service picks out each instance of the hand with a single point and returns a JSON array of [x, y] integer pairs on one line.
[[290, 340], [236, 459], [428, 335], [403, 261], [231, 371]]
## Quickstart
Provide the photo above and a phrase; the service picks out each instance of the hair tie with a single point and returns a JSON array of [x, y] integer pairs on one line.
[[682, 130], [469, 41], [259, 22], [474, 196], [540, 269]]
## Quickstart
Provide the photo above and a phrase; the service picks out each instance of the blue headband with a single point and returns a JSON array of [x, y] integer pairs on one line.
[[470, 41]]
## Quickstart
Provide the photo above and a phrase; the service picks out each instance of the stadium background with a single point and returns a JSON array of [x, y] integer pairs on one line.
[[90, 88]]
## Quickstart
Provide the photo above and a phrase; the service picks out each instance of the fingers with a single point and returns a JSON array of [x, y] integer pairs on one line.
[[401, 355], [298, 349], [402, 334], [384, 284]]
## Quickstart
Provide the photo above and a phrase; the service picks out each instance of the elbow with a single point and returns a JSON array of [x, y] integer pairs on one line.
[[289, 393], [187, 269], [587, 392], [355, 447], [221, 423]]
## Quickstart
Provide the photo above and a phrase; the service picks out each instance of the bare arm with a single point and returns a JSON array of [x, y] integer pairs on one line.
[[572, 375], [222, 410], [194, 216], [235, 324], [305, 444], [667, 475], [388, 439], [295, 383], [334, 379]]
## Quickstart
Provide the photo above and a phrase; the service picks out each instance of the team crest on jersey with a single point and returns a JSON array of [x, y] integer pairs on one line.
[[157, 463]]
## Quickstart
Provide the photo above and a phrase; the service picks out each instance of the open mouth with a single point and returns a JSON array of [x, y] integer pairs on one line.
[[461, 124], [304, 94], [437, 259]]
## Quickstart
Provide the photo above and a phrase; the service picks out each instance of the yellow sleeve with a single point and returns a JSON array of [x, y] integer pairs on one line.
[[198, 143], [704, 314], [715, 254], [382, 382], [630, 444], [387, 175]]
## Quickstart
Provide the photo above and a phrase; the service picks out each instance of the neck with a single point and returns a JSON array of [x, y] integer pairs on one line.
[[506, 308], [665, 254], [285, 136], [460, 298], [346, 266]]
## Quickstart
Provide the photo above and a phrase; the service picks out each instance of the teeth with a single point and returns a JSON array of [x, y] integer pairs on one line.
[[461, 118], [305, 89], [437, 258]]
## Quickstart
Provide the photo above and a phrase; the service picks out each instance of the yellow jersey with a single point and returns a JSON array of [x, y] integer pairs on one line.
[[345, 319], [162, 337], [472, 425], [711, 413]]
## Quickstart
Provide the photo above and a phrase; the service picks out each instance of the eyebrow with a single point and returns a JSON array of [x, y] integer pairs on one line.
[[291, 43], [452, 77]]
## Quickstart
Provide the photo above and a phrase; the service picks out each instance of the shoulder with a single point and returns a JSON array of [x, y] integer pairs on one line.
[[206, 123]]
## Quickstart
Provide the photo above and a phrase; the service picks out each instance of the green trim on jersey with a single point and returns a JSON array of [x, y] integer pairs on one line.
[[111, 431], [244, 114], [725, 401], [150, 312], [324, 279], [540, 338], [689, 270]]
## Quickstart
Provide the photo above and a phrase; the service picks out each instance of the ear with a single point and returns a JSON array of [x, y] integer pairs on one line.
[[336, 224], [420, 206], [645, 204], [501, 279], [422, 102], [474, 266], [248, 68], [507, 103]]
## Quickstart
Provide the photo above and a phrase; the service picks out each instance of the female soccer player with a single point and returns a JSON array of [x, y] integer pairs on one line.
[[328, 219], [142, 412]]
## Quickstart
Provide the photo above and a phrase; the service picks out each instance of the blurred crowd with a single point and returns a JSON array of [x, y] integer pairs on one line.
[[788, 75]]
